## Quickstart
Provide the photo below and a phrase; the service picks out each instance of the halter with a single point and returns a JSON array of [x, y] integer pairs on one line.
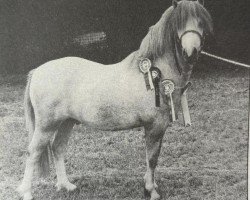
[[179, 45], [202, 38]]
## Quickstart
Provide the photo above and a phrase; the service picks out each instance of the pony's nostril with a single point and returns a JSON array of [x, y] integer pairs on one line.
[[184, 53], [195, 53], [190, 57]]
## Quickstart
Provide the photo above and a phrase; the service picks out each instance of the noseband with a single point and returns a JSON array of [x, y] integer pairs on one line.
[[202, 38]]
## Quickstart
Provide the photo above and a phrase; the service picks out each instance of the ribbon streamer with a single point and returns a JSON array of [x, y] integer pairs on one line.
[[151, 84], [172, 108], [156, 75], [146, 78], [184, 105], [169, 89]]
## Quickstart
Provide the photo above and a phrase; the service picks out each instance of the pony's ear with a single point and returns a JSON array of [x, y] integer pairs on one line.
[[174, 3], [201, 2]]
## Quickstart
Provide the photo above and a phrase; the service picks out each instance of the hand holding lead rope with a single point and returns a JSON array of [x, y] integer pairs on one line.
[[168, 86]]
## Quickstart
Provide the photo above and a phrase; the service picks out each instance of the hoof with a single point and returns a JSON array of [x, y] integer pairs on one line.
[[68, 186], [154, 195], [25, 194], [27, 197], [146, 193], [187, 124]]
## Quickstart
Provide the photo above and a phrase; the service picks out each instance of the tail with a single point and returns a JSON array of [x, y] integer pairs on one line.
[[28, 109], [43, 163]]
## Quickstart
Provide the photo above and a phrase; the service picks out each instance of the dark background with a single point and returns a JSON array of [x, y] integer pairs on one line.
[[33, 32]]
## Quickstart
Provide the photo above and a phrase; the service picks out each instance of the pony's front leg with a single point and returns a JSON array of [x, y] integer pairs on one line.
[[153, 136]]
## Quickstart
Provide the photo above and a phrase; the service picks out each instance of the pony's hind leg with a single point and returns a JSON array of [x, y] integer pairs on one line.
[[153, 137], [59, 147], [37, 147]]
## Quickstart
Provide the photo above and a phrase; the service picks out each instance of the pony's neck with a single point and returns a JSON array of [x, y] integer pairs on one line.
[[131, 61], [166, 63], [173, 66]]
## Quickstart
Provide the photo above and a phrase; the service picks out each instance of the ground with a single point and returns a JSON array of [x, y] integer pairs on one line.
[[206, 161]]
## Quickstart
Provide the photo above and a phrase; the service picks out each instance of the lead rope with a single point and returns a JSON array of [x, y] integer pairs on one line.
[[225, 60]]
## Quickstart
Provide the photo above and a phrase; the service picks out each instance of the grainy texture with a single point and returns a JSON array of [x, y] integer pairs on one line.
[[205, 161]]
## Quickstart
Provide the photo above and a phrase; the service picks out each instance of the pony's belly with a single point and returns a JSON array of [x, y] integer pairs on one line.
[[110, 117], [113, 125], [114, 112]]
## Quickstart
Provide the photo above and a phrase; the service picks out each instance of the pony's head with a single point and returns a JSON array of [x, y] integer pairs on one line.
[[184, 25], [192, 23]]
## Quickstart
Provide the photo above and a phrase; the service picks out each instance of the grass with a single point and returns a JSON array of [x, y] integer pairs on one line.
[[205, 161]]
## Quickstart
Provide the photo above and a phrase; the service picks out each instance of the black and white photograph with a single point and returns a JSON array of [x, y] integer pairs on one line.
[[124, 99]]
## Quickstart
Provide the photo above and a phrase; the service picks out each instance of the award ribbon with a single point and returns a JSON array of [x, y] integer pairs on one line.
[[156, 76], [168, 86], [145, 65]]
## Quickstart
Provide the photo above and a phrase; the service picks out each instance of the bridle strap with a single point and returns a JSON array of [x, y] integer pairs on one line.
[[176, 60], [192, 31]]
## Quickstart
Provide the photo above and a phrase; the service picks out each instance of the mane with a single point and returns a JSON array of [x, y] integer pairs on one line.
[[163, 34]]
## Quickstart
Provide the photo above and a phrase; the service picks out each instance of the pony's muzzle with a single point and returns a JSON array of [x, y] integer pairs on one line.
[[192, 57]]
